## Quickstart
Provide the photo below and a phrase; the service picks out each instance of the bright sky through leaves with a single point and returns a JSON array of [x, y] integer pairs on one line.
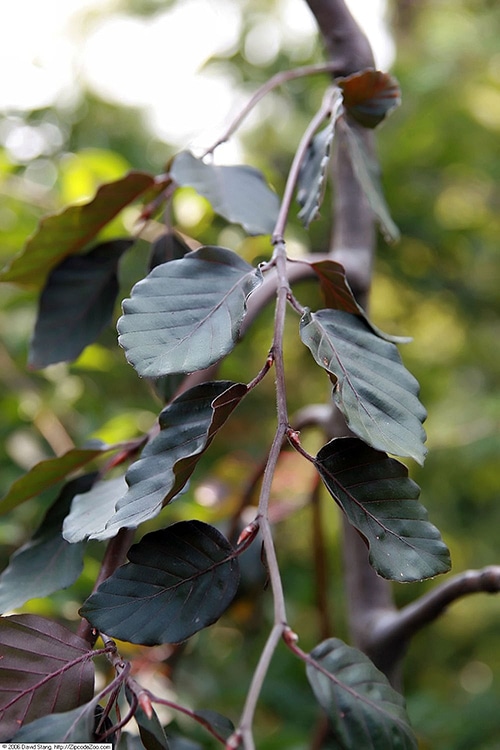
[[89, 42]]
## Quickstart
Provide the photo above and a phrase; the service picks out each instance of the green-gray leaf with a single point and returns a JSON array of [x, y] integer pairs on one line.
[[365, 712], [374, 391], [381, 501], [312, 177], [47, 562], [238, 193], [367, 171], [186, 314], [187, 427]]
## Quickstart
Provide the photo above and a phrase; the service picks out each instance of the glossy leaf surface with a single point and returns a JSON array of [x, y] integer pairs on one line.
[[49, 472], [76, 304], [68, 232], [374, 391], [187, 427], [92, 509], [364, 710], [186, 314], [381, 501], [367, 171], [369, 96], [47, 562], [179, 580], [34, 675], [238, 193]]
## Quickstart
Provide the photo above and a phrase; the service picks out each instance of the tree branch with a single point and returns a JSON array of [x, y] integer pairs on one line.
[[391, 634], [369, 597], [348, 48]]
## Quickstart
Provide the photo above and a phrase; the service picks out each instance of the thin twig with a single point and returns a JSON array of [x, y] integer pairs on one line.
[[394, 631], [277, 80]]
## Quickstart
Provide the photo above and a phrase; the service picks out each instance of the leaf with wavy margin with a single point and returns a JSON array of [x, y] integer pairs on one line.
[[373, 390], [91, 510], [238, 193], [313, 172], [186, 314], [187, 427], [179, 580], [381, 501], [365, 712]]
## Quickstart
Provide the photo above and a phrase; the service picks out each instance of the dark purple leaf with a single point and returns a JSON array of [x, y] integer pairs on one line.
[[369, 96], [373, 390], [187, 427], [381, 501], [365, 712], [179, 580], [68, 232], [77, 302], [43, 670]]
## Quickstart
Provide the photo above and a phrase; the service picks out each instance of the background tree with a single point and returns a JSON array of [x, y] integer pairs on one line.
[[411, 298]]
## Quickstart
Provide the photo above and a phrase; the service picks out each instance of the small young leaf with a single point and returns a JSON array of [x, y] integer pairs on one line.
[[70, 726], [179, 580], [368, 174], [312, 177], [335, 287], [374, 391], [150, 729], [238, 193], [76, 304], [91, 509], [68, 232], [187, 427], [34, 672], [48, 473], [364, 710], [338, 295], [381, 501], [186, 314], [369, 96], [46, 563]]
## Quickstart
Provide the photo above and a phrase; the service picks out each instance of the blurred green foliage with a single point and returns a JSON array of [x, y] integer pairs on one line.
[[440, 285]]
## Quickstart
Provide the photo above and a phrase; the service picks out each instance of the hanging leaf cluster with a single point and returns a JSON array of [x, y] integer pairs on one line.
[[185, 316]]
